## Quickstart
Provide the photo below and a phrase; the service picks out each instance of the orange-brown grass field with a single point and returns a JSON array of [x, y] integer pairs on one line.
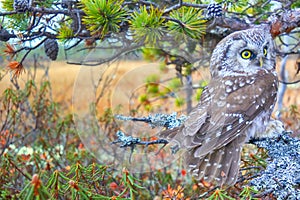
[[126, 76], [62, 77]]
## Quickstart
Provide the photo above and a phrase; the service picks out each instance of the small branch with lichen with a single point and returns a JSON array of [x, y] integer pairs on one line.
[[129, 141], [282, 175], [168, 121], [158, 120]]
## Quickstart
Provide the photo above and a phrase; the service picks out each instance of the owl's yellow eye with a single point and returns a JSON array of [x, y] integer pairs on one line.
[[246, 54], [265, 51]]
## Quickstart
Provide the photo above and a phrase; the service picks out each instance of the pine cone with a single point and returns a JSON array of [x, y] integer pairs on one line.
[[22, 5], [64, 3], [51, 48], [214, 10], [68, 4], [4, 35]]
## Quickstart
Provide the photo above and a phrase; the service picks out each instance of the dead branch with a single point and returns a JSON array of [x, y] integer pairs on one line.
[[285, 22]]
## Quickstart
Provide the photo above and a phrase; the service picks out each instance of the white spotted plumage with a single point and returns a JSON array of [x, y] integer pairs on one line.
[[235, 106]]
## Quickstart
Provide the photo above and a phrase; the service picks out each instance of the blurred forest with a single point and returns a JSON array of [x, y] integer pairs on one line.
[[69, 67]]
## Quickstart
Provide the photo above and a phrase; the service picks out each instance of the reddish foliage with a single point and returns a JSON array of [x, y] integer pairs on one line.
[[113, 186], [36, 182], [183, 172], [74, 185], [25, 157], [10, 50], [80, 146], [16, 67], [4, 137]]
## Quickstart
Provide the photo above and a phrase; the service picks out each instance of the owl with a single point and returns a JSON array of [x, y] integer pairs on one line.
[[234, 107]]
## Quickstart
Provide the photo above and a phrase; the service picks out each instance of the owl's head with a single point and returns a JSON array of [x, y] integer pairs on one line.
[[243, 52]]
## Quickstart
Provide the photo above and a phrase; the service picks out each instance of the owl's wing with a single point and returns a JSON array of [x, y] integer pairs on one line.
[[197, 117], [227, 108]]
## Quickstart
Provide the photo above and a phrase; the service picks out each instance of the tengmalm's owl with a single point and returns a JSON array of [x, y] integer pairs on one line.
[[235, 106]]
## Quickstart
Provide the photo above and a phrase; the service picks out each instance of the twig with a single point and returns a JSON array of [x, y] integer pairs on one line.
[[289, 83], [101, 61], [29, 49], [18, 169], [181, 4], [143, 3], [168, 121], [174, 20], [73, 45], [8, 13], [129, 141]]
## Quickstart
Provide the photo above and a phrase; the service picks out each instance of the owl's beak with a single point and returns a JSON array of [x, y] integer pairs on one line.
[[261, 62]]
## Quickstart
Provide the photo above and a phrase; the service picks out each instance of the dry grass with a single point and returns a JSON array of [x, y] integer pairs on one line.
[[62, 77], [127, 77]]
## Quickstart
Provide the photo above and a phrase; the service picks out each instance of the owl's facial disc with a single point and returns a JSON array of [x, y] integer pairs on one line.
[[243, 52]]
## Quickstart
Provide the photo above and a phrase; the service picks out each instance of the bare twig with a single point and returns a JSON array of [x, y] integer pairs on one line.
[[18, 169], [29, 49], [148, 3], [181, 4], [289, 83], [107, 60]]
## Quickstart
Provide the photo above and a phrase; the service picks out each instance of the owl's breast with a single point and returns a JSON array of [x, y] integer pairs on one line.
[[252, 99], [248, 94]]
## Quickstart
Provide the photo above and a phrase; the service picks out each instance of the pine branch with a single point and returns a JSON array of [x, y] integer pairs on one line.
[[281, 22]]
